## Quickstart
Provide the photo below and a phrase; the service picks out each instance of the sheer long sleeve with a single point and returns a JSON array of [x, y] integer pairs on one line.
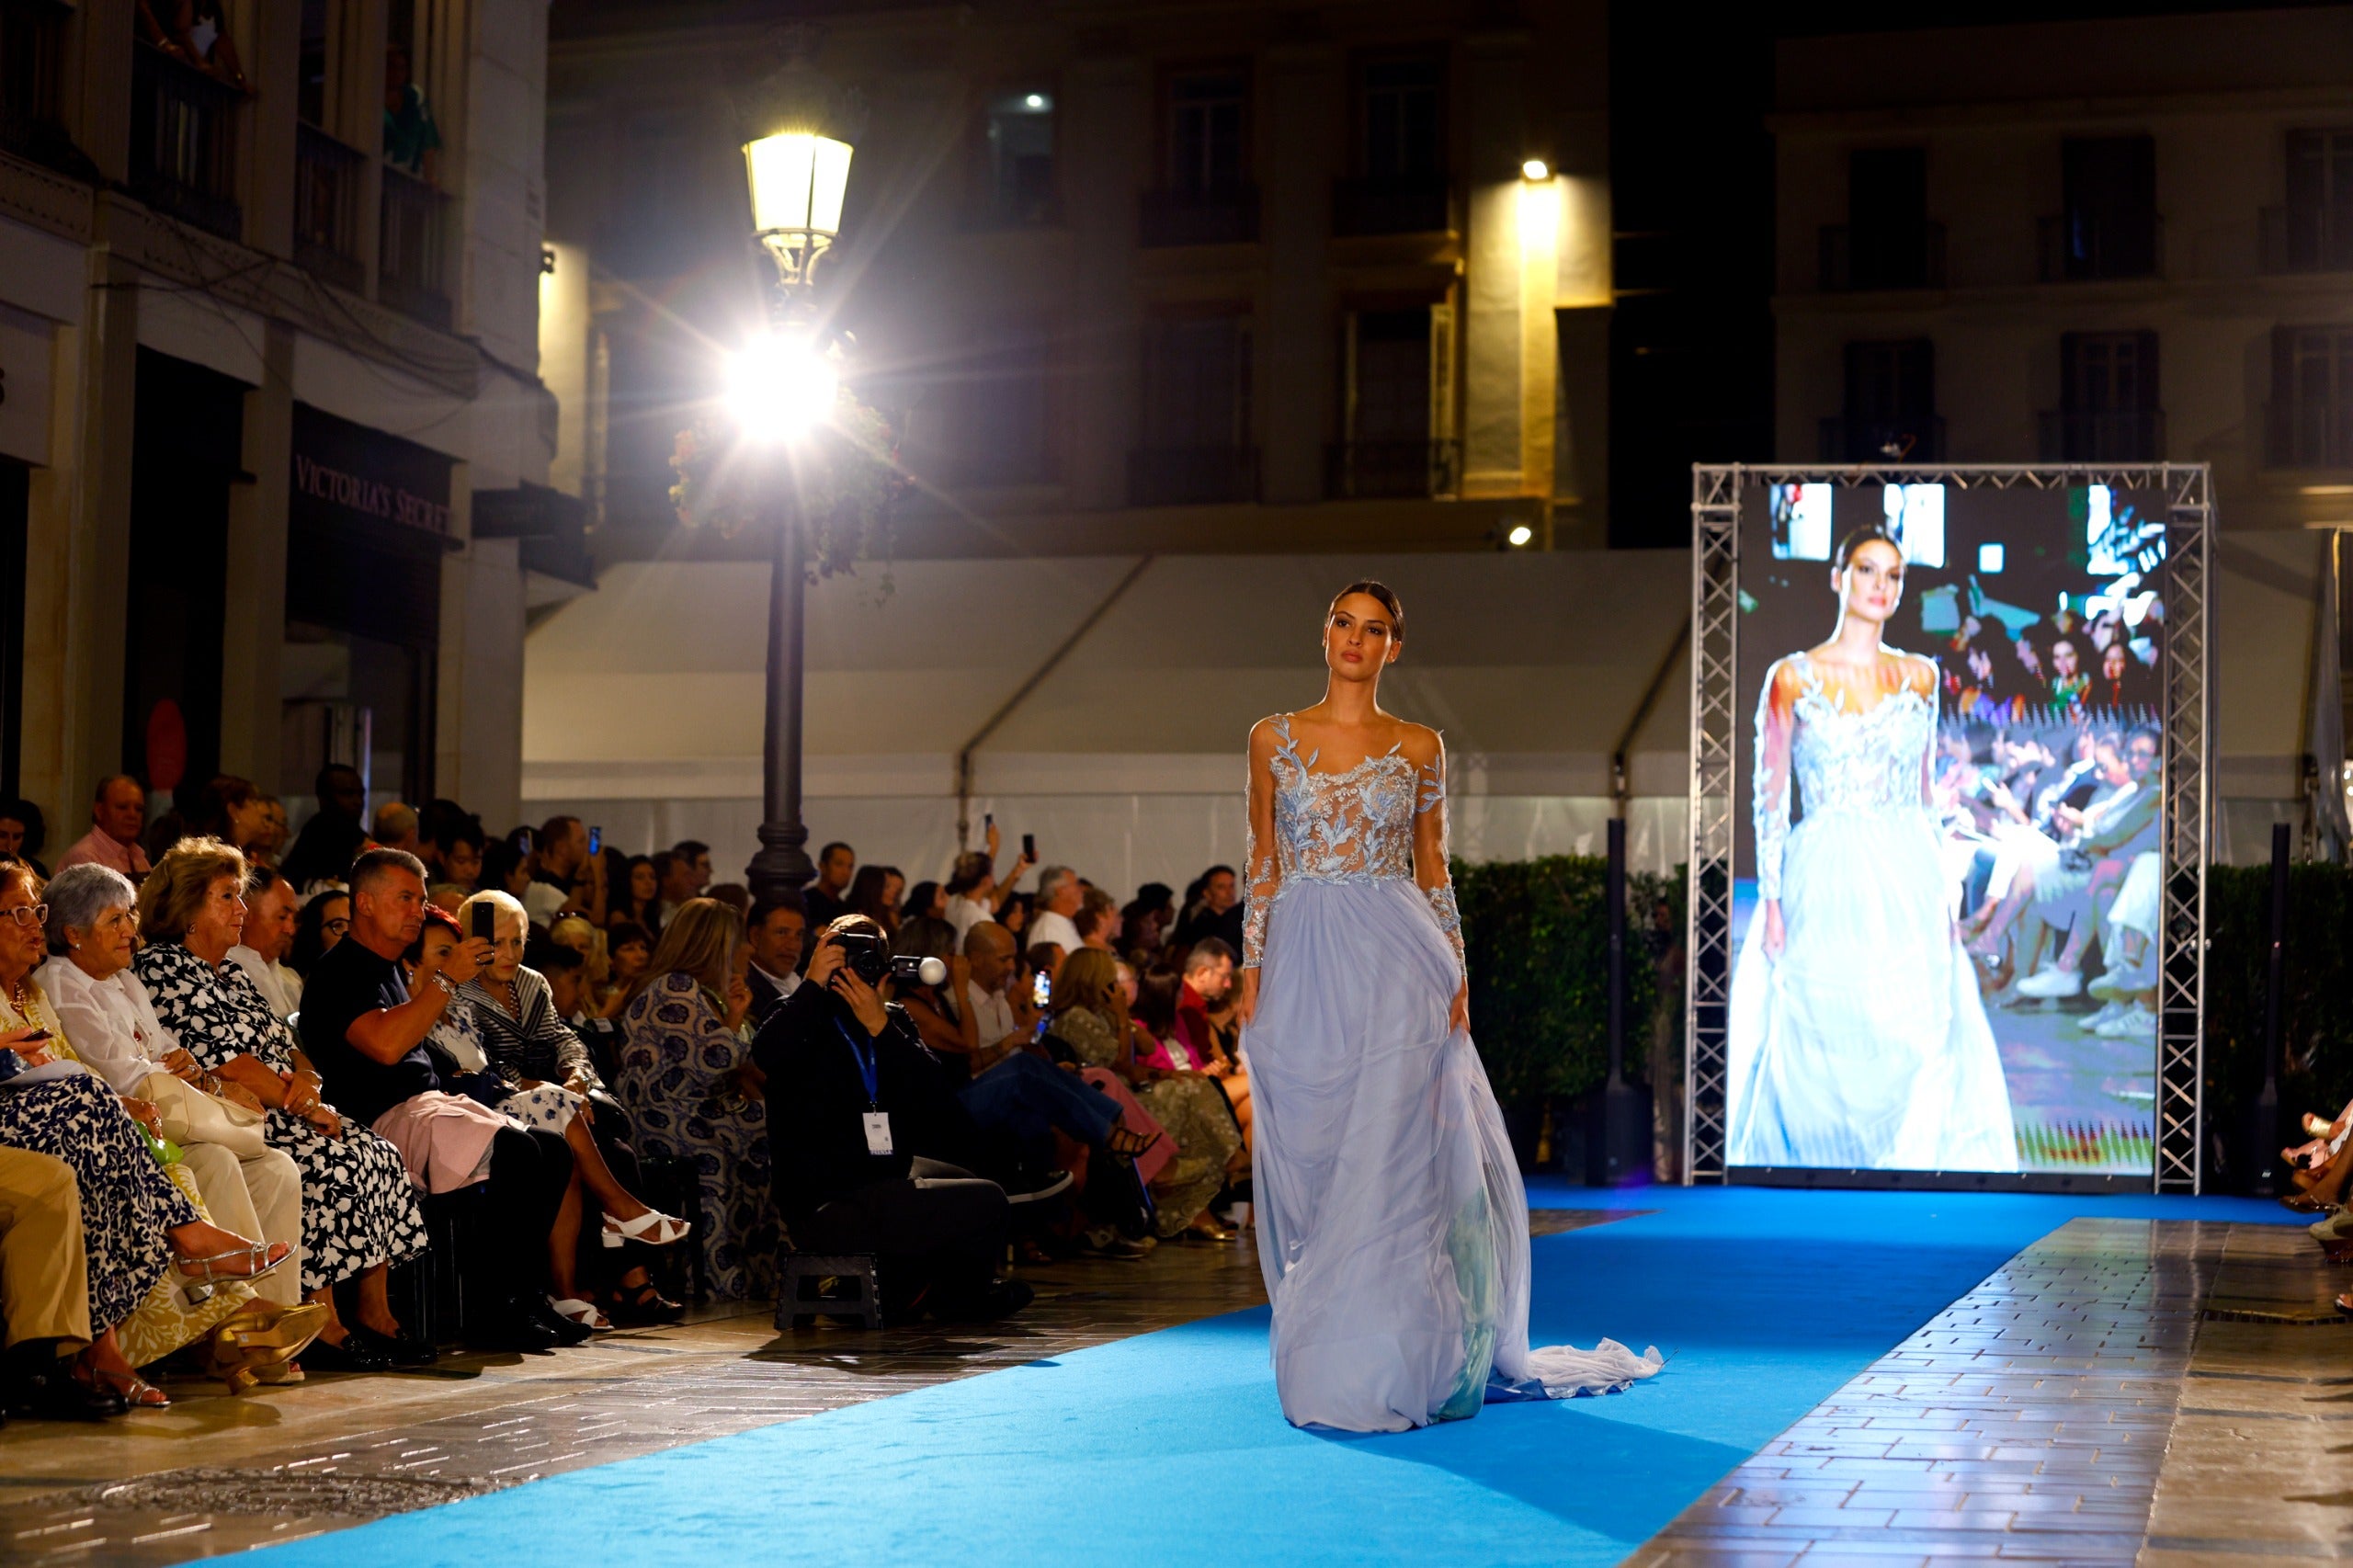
[[1776, 719], [1431, 872], [1262, 866]]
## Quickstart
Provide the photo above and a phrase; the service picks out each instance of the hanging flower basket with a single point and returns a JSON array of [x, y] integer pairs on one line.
[[843, 485]]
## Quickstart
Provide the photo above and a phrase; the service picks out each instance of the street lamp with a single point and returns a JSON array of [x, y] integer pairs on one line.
[[781, 389]]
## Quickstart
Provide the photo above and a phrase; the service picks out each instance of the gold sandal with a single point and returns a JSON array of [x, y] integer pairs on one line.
[[248, 1345]]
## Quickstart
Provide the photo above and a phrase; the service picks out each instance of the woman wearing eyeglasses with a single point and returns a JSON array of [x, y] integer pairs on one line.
[[322, 924]]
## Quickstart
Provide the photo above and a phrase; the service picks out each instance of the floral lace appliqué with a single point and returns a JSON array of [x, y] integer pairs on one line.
[[1844, 759]]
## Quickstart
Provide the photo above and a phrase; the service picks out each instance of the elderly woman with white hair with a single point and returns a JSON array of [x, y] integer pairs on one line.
[[250, 1188], [526, 1043]]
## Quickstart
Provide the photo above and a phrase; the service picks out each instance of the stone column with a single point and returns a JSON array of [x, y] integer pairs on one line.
[[1493, 332], [253, 633]]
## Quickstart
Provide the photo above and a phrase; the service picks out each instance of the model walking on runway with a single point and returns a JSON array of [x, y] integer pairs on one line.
[[1858, 1039], [1393, 1228]]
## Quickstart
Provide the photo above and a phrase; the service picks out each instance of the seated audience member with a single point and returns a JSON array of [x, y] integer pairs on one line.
[[865, 1097], [974, 893], [233, 811], [776, 930], [512, 1047], [455, 837], [576, 932], [1146, 922], [505, 868], [118, 816], [1090, 1014], [365, 1031], [686, 1083], [694, 857], [875, 892], [1097, 921], [676, 880], [148, 1239], [1208, 980], [1059, 896], [396, 827], [564, 876], [45, 1294], [1216, 911], [359, 1213], [328, 843], [250, 1188], [630, 949], [319, 926], [22, 828], [826, 900], [638, 900], [270, 920], [1046, 958]]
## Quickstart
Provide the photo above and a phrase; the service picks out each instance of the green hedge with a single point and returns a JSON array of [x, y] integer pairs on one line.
[[1538, 945], [2317, 1016]]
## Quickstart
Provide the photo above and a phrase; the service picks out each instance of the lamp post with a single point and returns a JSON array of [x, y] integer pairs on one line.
[[781, 390]]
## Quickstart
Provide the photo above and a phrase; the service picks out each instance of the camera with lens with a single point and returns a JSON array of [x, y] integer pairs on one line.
[[867, 957]]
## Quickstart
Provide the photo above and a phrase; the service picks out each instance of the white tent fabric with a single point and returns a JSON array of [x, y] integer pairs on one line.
[[643, 701]]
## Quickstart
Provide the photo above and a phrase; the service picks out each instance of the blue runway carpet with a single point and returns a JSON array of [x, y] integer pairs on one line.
[[1170, 1449]]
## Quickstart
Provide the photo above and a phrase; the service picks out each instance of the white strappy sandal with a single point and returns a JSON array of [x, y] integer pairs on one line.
[[653, 1228], [572, 1309]]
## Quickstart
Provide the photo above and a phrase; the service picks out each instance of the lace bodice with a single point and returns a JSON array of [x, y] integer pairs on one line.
[[1845, 758], [1356, 825]]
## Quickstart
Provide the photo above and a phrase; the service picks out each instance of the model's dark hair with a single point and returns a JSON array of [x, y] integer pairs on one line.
[[1861, 537], [1380, 591]]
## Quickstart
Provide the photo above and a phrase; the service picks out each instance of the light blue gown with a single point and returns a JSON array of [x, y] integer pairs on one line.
[[1393, 1227], [1866, 1046]]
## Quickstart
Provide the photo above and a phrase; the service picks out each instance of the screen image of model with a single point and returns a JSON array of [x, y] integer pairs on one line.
[[1948, 885]]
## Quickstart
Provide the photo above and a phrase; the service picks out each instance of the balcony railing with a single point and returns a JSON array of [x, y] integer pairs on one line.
[[2085, 247], [1372, 470], [1883, 440], [411, 268], [1192, 476], [184, 141], [1222, 216], [1396, 204], [2128, 436], [2314, 433], [1910, 256], [328, 177], [2307, 239]]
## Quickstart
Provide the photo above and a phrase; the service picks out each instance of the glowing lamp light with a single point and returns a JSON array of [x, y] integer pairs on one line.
[[1035, 100], [1519, 534], [780, 388], [798, 182], [1536, 169]]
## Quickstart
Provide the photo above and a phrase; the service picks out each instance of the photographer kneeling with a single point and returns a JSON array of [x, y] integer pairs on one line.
[[859, 1111]]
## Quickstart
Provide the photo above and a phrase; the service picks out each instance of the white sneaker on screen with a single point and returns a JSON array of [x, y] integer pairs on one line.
[[2052, 982]]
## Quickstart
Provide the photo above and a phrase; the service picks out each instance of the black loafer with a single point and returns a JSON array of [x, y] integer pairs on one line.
[[567, 1333], [58, 1396], [358, 1353], [405, 1351]]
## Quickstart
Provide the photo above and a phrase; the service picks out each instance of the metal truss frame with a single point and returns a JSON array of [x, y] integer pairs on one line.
[[1717, 491]]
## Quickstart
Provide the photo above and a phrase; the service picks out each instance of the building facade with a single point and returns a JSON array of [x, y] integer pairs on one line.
[[1166, 277], [2099, 241], [273, 446]]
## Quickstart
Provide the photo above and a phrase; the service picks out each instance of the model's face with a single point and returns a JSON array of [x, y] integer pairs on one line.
[[1359, 637], [124, 812], [1871, 585]]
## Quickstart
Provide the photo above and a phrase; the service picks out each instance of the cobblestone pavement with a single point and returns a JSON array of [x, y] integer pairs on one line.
[[2103, 1398], [215, 1474]]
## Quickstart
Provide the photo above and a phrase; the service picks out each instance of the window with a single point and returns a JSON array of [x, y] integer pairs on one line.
[[1888, 242], [2311, 397], [1391, 405], [313, 54], [1197, 443], [1890, 405], [2108, 400], [997, 410], [1402, 128], [2314, 232], [32, 38], [2109, 226], [1020, 157], [1207, 133]]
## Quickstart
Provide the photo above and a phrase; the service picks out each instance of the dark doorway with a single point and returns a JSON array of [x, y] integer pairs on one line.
[[16, 486]]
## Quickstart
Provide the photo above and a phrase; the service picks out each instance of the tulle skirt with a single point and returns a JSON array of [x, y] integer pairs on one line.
[[1393, 1226], [1866, 1047]]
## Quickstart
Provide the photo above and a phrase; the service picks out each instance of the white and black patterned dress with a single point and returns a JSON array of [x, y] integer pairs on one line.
[[358, 1207]]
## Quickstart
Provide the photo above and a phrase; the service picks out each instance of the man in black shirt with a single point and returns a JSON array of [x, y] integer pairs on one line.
[[823, 898], [365, 1033], [859, 1110]]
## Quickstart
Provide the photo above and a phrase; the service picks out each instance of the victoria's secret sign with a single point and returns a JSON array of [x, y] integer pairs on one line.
[[349, 472]]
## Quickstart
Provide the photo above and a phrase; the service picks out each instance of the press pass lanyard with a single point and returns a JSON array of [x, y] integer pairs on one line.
[[877, 1120]]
